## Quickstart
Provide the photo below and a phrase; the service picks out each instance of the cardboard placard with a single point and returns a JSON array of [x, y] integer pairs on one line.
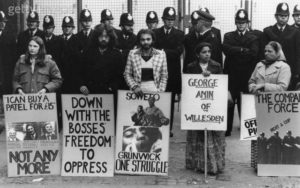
[[143, 125], [88, 135], [248, 117], [204, 102], [33, 147], [278, 122]]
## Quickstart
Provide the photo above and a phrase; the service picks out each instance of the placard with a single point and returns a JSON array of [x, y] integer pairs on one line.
[[88, 135], [33, 147], [248, 117], [278, 122], [204, 102], [143, 126]]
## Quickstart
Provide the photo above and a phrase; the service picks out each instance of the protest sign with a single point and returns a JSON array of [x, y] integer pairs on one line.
[[32, 135], [248, 117], [88, 135], [279, 133], [204, 102], [143, 125]]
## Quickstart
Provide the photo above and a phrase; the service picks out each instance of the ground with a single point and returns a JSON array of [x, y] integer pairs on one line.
[[238, 172]]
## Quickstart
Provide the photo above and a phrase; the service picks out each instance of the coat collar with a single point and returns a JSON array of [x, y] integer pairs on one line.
[[263, 70]]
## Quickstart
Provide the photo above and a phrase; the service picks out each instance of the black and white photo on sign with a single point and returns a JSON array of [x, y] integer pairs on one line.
[[23, 131]]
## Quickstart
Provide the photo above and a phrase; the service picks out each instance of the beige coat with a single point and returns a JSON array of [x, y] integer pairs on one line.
[[276, 76]]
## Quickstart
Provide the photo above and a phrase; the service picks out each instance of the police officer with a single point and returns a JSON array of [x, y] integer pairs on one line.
[[170, 39], [7, 56], [296, 16], [70, 57], [126, 39], [202, 31], [288, 37], [107, 17], [33, 30], [52, 42], [241, 49], [152, 20], [85, 35]]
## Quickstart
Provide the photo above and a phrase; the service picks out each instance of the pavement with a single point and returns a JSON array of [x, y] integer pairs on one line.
[[237, 174]]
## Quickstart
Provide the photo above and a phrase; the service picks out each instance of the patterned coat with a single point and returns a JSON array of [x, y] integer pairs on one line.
[[133, 70]]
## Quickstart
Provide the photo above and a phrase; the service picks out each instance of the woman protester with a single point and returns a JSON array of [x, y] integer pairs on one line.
[[270, 75], [35, 71], [195, 139]]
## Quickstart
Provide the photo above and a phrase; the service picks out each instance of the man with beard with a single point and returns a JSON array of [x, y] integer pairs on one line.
[[241, 50], [102, 69], [70, 56], [33, 30], [288, 37], [126, 38], [146, 68], [85, 35], [52, 42], [170, 40], [7, 57]]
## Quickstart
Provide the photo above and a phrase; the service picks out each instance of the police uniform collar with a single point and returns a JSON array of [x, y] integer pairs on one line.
[[49, 38], [203, 33], [87, 31], [33, 32], [168, 30], [278, 27], [239, 32], [68, 36]]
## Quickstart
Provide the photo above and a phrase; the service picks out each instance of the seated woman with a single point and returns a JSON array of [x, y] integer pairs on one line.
[[195, 139], [272, 73], [36, 72]]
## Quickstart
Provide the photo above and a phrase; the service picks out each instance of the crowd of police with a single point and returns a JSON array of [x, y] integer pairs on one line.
[[89, 62]]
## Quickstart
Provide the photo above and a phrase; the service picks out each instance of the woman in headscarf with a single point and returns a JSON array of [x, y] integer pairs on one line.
[[272, 73]]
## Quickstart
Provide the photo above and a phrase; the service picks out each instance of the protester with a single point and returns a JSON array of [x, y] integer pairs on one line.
[[272, 73], [195, 139], [31, 133], [146, 69], [154, 116], [139, 116], [36, 72]]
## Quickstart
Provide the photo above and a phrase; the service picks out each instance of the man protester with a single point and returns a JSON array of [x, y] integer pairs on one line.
[[33, 30], [241, 49], [288, 37], [52, 42], [126, 39], [85, 35], [296, 16], [151, 20], [107, 17], [7, 56], [202, 31], [170, 39], [70, 57]]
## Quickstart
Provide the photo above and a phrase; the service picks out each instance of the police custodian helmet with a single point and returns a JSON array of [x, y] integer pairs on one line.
[[282, 9], [68, 22], [241, 16], [296, 10], [151, 17], [48, 21], [33, 16], [106, 15], [85, 15], [205, 14], [169, 13], [126, 19]]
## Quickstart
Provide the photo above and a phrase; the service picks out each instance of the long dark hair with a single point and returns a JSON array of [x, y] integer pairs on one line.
[[99, 29], [145, 31], [41, 53]]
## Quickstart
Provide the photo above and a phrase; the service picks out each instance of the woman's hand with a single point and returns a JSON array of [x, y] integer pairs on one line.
[[206, 73], [42, 91], [20, 91], [258, 88], [84, 90]]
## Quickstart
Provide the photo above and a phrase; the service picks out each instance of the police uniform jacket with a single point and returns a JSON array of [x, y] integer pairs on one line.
[[290, 41], [54, 48], [191, 40], [46, 75], [7, 61], [172, 44], [23, 40], [102, 71], [84, 41]]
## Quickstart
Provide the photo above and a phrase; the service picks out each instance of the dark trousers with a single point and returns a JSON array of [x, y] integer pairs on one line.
[[172, 110]]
